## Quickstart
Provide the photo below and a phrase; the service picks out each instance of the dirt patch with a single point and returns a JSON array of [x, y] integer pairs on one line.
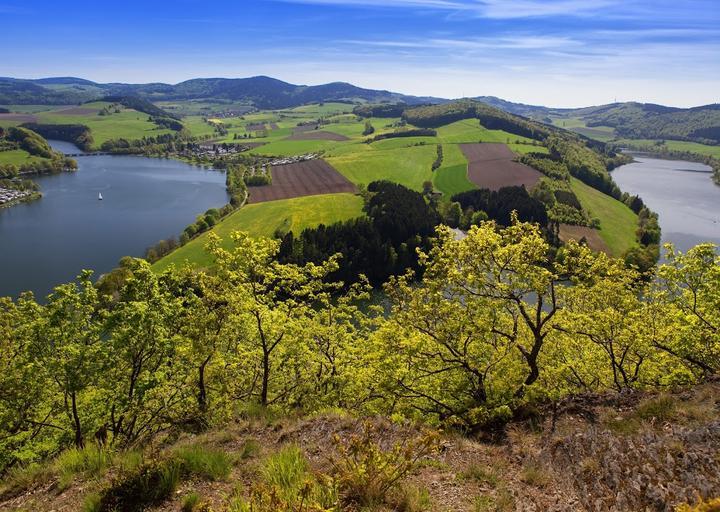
[[76, 111], [309, 178], [491, 166], [317, 135], [18, 118], [569, 232], [256, 127]]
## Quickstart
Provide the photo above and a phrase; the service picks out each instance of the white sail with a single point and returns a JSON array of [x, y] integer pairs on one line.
[[100, 196]]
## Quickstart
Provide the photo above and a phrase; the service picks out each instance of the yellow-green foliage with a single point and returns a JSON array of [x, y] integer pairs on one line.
[[711, 505], [492, 326], [367, 474]]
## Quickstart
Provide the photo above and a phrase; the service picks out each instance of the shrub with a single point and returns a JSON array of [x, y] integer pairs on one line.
[[366, 473]]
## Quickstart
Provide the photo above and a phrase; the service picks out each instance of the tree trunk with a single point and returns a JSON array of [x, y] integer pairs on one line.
[[265, 379], [76, 420]]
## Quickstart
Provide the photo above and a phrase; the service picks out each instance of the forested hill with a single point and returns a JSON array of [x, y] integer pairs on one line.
[[648, 121], [631, 120], [260, 91]]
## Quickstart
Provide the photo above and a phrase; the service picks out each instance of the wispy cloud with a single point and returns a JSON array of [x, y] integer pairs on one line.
[[494, 9]]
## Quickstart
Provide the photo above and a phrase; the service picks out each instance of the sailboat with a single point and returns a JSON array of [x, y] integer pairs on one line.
[[99, 196]]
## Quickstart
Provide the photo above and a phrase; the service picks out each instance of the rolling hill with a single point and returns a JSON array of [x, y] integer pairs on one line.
[[260, 91]]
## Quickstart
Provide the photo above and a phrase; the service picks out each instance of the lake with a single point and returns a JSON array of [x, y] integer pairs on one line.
[[683, 195], [48, 242]]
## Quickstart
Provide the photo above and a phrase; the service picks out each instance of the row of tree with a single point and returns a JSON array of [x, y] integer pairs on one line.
[[494, 325]]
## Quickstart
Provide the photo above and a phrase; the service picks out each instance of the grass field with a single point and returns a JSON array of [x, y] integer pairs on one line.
[[292, 147], [577, 125], [451, 178], [618, 223], [262, 219], [679, 145], [128, 124], [408, 166], [18, 157], [470, 130]]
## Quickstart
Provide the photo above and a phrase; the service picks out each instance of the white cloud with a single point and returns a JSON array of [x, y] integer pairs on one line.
[[496, 9]]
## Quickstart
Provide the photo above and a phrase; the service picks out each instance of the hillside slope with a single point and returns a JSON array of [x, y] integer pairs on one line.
[[581, 455], [260, 91]]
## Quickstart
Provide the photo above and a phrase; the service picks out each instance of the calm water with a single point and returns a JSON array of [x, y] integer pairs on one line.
[[48, 242], [682, 193]]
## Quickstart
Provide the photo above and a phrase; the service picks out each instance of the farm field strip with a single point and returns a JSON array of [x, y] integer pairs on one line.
[[312, 177], [317, 135], [263, 219], [617, 222], [491, 166]]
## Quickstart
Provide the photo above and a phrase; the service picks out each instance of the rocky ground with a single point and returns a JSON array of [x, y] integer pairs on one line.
[[631, 452]]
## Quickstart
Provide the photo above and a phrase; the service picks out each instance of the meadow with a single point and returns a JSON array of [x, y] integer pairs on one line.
[[678, 145], [18, 157], [618, 223], [263, 219], [128, 124], [408, 166], [578, 125]]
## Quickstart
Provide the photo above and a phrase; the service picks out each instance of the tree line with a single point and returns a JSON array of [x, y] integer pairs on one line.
[[498, 322]]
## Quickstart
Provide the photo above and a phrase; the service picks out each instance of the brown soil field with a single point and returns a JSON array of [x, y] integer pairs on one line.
[[309, 178], [255, 127], [569, 232], [491, 166], [77, 111], [18, 118], [317, 135]]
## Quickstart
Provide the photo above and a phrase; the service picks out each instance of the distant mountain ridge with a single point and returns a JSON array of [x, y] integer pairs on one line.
[[631, 120], [260, 91]]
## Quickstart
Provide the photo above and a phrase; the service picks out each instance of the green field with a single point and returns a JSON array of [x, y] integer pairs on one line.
[[577, 125], [293, 147], [263, 219], [451, 178], [677, 145], [18, 157], [618, 223], [409, 166], [128, 124]]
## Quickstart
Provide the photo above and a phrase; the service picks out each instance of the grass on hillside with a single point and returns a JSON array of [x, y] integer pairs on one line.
[[18, 157], [578, 125], [470, 130], [293, 147], [408, 166], [678, 145], [262, 219], [451, 178], [618, 223], [128, 124]]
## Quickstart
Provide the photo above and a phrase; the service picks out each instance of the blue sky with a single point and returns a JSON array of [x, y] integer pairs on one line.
[[552, 52]]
